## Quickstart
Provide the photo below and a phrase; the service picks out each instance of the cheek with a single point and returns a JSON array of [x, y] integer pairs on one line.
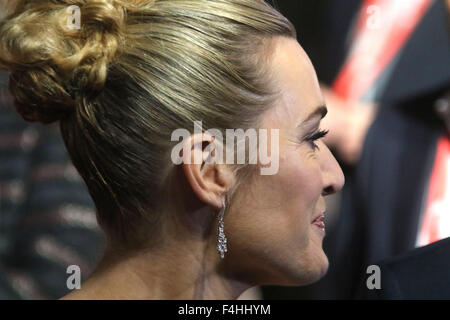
[[279, 208], [270, 221], [300, 180], [300, 189]]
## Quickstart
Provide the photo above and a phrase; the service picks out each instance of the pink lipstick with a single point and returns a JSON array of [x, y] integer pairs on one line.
[[320, 221]]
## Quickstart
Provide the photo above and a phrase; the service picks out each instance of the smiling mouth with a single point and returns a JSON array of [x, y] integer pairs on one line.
[[320, 221]]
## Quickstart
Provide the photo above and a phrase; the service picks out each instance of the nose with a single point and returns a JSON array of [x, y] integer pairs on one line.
[[332, 175]]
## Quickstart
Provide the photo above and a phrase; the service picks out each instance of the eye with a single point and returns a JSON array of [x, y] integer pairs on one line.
[[316, 136]]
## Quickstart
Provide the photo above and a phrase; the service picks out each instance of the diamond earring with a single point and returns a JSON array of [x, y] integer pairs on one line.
[[222, 239]]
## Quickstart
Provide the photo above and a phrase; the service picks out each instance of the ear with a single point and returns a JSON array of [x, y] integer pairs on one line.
[[210, 180]]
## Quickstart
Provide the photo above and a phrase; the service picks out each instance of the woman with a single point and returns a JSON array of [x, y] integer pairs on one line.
[[122, 83]]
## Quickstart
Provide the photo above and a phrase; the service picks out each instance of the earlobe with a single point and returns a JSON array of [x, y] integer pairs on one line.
[[208, 180]]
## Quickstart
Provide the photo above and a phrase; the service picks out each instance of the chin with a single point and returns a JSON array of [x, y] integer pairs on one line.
[[322, 269], [305, 275]]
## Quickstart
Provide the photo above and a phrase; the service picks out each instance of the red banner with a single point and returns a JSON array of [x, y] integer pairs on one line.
[[382, 29]]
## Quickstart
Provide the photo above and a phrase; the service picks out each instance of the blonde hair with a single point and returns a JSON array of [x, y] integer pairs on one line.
[[133, 73]]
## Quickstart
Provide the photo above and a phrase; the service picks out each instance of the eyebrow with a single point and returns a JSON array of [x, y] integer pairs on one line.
[[320, 111]]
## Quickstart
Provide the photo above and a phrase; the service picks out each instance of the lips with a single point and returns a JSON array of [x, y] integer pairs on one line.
[[320, 221]]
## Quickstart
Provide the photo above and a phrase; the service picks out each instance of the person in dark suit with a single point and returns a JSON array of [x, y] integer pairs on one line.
[[423, 273]]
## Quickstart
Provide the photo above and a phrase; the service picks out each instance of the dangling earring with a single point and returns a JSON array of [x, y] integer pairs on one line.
[[222, 239]]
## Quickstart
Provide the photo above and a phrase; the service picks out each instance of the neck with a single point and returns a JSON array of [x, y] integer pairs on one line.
[[187, 269]]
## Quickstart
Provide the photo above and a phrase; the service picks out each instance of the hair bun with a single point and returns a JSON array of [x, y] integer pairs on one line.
[[49, 62]]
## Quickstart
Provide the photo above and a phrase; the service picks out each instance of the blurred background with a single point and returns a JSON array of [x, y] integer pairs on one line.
[[384, 67], [47, 219]]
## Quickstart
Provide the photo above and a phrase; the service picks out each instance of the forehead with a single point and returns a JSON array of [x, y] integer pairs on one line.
[[296, 80]]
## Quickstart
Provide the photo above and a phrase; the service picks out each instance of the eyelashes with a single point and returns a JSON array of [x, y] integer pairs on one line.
[[316, 136]]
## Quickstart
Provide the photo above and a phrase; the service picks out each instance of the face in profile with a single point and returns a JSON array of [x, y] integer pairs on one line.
[[274, 223], [156, 80]]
